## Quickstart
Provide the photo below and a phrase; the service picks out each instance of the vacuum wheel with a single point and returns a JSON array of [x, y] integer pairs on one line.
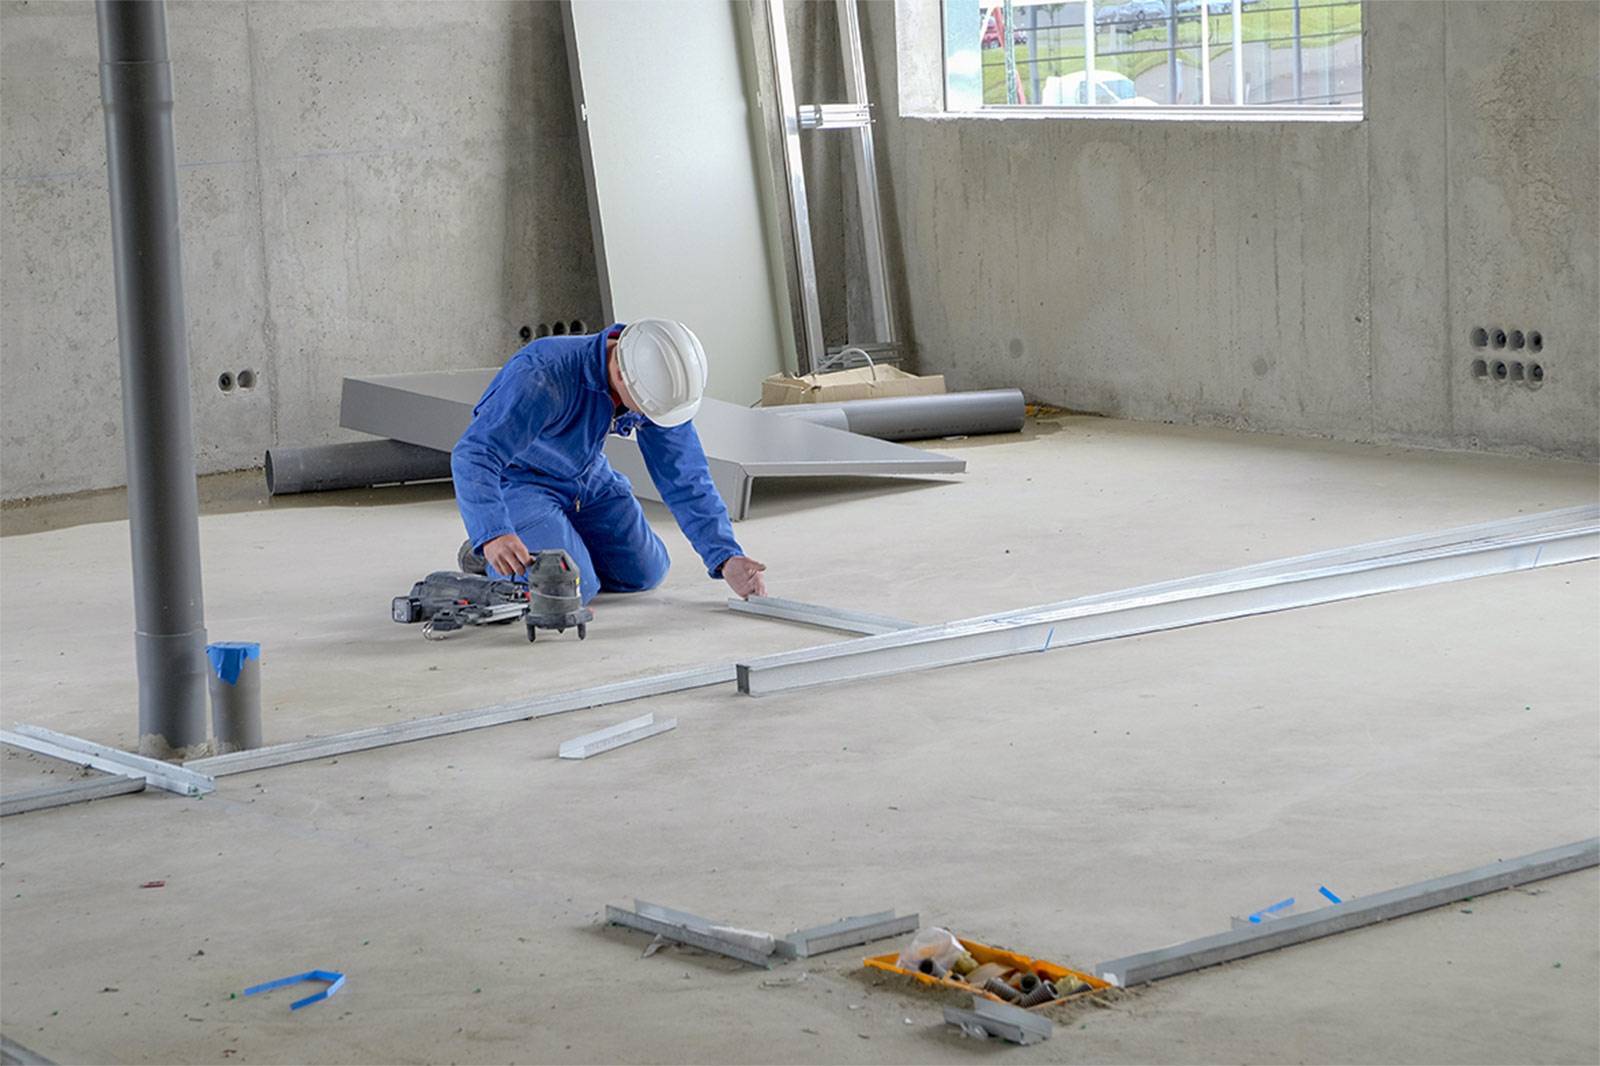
[[583, 630], [532, 631]]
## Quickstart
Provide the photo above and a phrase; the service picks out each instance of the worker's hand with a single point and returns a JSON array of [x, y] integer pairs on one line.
[[743, 576], [507, 554]]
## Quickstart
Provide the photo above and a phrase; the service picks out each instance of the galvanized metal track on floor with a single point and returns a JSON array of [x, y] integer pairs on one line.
[[480, 718], [846, 932], [1351, 914], [239, 762], [1388, 566], [813, 615], [184, 781], [688, 929], [38, 799]]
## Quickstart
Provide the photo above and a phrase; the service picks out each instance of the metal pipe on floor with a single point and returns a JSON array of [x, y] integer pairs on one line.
[[950, 414], [358, 465], [163, 502]]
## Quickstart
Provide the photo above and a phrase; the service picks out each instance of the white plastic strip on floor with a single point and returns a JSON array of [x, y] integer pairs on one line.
[[170, 776], [611, 737], [1495, 548]]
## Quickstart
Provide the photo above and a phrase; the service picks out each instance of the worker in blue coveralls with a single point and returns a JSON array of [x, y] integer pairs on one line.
[[530, 473]]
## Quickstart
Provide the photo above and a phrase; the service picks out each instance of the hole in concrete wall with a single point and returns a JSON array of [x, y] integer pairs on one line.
[[1515, 371], [1480, 369], [526, 333], [247, 379], [559, 329], [225, 381], [1536, 341], [577, 326], [1535, 374], [1500, 370], [1498, 338], [544, 329], [1480, 337], [1515, 339]]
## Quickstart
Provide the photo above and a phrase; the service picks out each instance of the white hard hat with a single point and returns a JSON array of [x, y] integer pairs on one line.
[[663, 365]]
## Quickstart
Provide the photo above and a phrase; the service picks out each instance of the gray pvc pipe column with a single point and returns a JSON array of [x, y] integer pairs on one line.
[[157, 424]]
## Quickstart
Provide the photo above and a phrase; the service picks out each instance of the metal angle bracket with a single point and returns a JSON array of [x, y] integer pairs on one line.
[[685, 928], [834, 116], [38, 799], [1349, 914], [1001, 1019], [72, 749], [846, 932], [603, 740], [815, 615]]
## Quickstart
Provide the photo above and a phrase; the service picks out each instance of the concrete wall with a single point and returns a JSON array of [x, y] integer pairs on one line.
[[1302, 278], [366, 187]]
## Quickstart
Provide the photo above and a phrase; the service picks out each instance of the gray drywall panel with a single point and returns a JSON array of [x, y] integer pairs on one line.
[[671, 151], [741, 443]]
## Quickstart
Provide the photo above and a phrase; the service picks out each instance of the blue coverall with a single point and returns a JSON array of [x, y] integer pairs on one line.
[[531, 463]]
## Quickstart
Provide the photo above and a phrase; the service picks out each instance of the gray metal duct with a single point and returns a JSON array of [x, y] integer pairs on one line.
[[325, 467], [951, 414], [157, 424]]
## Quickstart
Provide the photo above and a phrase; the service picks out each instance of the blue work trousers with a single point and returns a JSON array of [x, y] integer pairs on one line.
[[603, 528]]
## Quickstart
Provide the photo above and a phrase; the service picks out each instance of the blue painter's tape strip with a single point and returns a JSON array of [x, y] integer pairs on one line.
[[228, 657], [1331, 898], [334, 978]]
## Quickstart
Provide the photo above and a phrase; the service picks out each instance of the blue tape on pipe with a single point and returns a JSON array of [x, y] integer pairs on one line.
[[228, 657]]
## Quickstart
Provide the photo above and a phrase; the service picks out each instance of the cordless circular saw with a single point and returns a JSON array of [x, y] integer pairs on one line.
[[447, 601]]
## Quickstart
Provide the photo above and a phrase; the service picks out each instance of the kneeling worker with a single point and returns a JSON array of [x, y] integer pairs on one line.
[[530, 473]]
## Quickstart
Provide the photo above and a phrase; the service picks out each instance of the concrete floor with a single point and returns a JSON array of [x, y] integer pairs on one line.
[[1078, 805]]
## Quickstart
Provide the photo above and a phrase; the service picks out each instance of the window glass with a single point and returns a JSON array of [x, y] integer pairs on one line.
[[1154, 53]]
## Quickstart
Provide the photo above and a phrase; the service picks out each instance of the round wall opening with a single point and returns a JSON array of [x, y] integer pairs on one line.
[[559, 329], [1536, 341], [1516, 371], [577, 326], [225, 381], [1500, 370], [1536, 373], [247, 379], [526, 333], [1480, 337], [1480, 369], [1515, 339], [1498, 338]]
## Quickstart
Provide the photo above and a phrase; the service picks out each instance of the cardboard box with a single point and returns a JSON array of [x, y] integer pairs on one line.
[[862, 383]]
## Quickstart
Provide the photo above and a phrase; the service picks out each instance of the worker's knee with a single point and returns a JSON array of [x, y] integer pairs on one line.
[[641, 573]]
